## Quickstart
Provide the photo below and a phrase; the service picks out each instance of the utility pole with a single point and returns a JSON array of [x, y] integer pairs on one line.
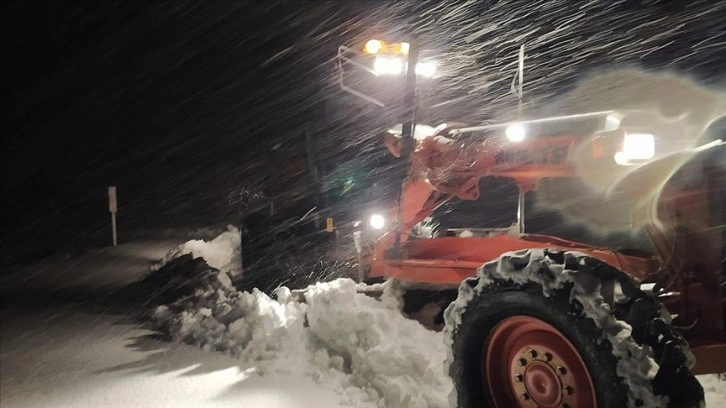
[[520, 72], [314, 175], [113, 209], [409, 112], [520, 95]]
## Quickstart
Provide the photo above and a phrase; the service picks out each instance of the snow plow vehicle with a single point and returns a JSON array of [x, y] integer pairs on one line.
[[540, 321]]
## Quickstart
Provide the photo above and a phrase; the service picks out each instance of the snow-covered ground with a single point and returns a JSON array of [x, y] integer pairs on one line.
[[109, 267], [338, 348], [93, 353], [77, 358]]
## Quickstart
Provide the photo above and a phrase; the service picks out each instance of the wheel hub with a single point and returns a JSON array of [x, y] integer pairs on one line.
[[542, 385], [538, 376], [528, 364]]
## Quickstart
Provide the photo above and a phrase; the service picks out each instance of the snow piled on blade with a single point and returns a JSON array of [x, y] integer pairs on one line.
[[344, 340], [224, 252]]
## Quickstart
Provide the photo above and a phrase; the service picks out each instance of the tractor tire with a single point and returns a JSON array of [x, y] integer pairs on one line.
[[427, 306], [540, 328]]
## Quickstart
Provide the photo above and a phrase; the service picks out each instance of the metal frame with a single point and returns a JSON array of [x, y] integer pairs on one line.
[[525, 122], [342, 57]]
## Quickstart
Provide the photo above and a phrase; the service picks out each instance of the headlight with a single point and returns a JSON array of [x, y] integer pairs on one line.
[[377, 221], [373, 46], [388, 65], [636, 147], [426, 69], [516, 132]]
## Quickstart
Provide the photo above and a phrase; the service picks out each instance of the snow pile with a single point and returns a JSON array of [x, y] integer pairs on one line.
[[395, 357], [224, 252], [344, 340], [714, 387]]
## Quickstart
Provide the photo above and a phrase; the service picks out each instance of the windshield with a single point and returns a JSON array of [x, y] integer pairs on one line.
[[548, 211]]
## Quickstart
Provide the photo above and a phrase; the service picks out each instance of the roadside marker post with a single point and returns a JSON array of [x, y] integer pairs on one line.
[[113, 208]]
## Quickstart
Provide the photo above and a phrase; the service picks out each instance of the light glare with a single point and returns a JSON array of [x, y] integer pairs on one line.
[[377, 221], [639, 146], [405, 47], [612, 121], [621, 159], [388, 66], [426, 69], [516, 132], [373, 46]]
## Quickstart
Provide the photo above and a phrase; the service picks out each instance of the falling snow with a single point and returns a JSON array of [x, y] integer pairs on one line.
[[206, 114]]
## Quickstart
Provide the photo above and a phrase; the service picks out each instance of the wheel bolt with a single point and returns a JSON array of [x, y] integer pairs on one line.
[[522, 362], [519, 377], [525, 396], [561, 370], [533, 353], [569, 390], [548, 356]]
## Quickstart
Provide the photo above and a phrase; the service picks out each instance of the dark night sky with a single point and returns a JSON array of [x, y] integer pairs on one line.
[[175, 102], [110, 89], [164, 99]]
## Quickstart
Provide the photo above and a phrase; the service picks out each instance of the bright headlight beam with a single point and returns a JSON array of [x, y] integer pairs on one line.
[[426, 69], [515, 132], [373, 46], [388, 65], [639, 146], [405, 47], [377, 221], [620, 159]]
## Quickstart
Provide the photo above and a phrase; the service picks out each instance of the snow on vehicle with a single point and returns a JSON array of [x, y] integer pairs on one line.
[[549, 322]]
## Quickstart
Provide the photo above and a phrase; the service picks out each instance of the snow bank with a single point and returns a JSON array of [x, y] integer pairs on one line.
[[224, 252], [714, 388], [361, 348], [346, 341]]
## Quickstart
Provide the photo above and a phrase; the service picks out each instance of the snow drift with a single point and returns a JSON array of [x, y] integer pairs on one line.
[[344, 340], [224, 252]]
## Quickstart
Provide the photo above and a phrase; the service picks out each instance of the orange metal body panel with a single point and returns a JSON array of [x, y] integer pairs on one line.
[[443, 167], [455, 169], [450, 260], [710, 356]]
